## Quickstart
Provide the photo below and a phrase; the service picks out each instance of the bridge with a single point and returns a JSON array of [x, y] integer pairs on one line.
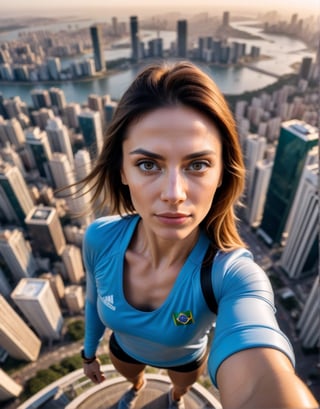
[[254, 68]]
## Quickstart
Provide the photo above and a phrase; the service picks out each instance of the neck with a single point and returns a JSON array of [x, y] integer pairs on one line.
[[160, 252]]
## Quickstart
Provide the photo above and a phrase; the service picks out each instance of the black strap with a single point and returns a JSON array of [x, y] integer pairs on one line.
[[206, 282]]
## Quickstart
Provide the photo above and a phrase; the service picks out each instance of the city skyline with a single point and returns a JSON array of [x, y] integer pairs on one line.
[[51, 140], [16, 7]]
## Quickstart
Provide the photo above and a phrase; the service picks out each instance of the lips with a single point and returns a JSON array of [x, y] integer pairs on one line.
[[173, 218]]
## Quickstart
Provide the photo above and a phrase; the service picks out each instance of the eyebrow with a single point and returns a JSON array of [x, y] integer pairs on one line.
[[154, 155]]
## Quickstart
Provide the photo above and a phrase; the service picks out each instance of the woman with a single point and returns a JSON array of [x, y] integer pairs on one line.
[[171, 172]]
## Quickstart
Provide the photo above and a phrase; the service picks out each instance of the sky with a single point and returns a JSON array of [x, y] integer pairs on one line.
[[132, 6]]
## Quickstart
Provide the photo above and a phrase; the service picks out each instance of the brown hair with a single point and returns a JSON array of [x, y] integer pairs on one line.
[[162, 85]]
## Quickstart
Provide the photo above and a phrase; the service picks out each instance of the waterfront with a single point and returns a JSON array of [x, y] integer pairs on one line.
[[283, 53]]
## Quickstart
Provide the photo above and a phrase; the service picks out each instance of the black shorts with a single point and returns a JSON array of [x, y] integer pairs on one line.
[[119, 353]]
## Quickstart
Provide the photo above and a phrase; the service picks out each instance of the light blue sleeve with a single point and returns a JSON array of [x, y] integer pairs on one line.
[[94, 328], [246, 312]]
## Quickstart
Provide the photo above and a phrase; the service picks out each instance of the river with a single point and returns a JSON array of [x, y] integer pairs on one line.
[[284, 51]]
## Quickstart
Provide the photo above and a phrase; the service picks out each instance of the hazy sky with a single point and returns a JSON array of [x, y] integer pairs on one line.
[[291, 6]]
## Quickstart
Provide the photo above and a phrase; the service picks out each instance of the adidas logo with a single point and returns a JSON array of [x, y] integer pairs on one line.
[[108, 301]]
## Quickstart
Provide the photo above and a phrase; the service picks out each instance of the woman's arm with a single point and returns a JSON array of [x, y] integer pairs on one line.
[[261, 378]]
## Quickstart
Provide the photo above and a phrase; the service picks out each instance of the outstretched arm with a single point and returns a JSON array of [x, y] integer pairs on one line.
[[261, 378]]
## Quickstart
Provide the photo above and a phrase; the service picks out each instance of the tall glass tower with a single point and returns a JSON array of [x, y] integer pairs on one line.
[[96, 37], [296, 140], [182, 39], [135, 42]]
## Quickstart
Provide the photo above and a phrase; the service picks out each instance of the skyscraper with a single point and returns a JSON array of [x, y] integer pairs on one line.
[[58, 138], [135, 41], [309, 321], [17, 254], [14, 132], [37, 302], [57, 98], [8, 387], [40, 98], [91, 129], [38, 144], [72, 260], [300, 255], [296, 140], [305, 68], [261, 178], [225, 18], [63, 175], [15, 199], [182, 41], [70, 113], [46, 233], [74, 299], [97, 40], [15, 336]]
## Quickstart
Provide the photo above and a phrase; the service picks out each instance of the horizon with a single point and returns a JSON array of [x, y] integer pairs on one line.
[[17, 8]]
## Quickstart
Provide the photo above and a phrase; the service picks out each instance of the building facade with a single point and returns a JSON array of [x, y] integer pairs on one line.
[[97, 45], [296, 140], [15, 336], [37, 303]]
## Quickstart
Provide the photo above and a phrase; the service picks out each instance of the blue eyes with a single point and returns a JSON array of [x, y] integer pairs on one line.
[[152, 166]]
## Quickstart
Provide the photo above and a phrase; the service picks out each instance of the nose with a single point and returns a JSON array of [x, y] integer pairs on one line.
[[174, 187]]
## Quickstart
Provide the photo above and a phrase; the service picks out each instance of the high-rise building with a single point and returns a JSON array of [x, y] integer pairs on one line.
[[15, 336], [36, 301], [109, 109], [91, 129], [41, 117], [97, 45], [182, 41], [40, 98], [261, 179], [58, 138], [70, 115], [5, 287], [309, 321], [38, 144], [135, 40], [46, 232], [17, 254], [54, 67], [226, 18], [305, 68], [74, 299], [296, 140], [10, 155], [95, 103], [15, 199], [72, 259], [63, 176], [254, 148], [56, 284], [14, 132], [82, 163], [57, 98], [8, 387], [300, 255]]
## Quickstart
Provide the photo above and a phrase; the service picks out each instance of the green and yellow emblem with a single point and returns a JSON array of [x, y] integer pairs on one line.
[[183, 318]]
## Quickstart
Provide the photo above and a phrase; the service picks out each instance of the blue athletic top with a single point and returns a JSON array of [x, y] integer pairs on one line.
[[176, 332]]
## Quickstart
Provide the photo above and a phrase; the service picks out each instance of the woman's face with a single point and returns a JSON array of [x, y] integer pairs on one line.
[[172, 164]]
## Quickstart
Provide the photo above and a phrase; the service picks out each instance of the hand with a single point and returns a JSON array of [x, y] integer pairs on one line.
[[93, 372]]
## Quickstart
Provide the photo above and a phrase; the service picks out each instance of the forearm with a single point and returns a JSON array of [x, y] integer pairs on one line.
[[94, 329], [281, 390]]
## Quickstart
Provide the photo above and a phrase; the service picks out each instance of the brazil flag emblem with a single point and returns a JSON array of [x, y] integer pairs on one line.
[[183, 318]]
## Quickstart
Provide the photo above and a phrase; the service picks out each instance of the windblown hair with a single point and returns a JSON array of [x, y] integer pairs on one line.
[[165, 85]]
